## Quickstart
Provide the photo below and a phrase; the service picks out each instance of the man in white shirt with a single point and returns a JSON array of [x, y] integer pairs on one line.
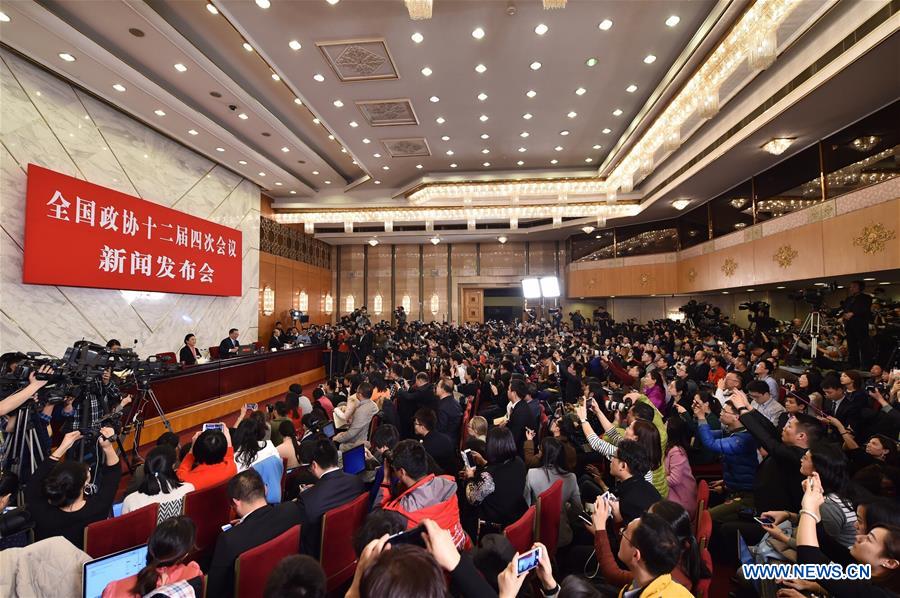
[[726, 385], [763, 401], [764, 371]]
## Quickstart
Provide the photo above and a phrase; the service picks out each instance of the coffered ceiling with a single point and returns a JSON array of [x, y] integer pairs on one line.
[[350, 104]]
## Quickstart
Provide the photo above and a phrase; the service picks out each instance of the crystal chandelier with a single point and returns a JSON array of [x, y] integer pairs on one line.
[[418, 9], [709, 104], [552, 4], [762, 54]]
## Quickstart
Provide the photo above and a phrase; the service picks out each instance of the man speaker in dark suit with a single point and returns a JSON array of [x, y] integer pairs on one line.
[[229, 345], [332, 489], [259, 523]]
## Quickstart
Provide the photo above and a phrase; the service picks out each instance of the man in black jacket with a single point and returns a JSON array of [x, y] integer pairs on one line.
[[449, 412], [857, 315], [441, 448], [840, 404], [332, 489], [635, 494], [411, 400], [521, 417], [570, 380], [229, 345], [259, 523]]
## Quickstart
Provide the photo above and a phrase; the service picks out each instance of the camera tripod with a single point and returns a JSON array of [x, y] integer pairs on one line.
[[135, 421], [26, 440], [813, 325]]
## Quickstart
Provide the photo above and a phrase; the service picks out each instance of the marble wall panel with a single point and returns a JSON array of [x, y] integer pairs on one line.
[[46, 121]]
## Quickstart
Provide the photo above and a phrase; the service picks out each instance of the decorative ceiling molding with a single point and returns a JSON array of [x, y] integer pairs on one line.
[[387, 113], [408, 147], [359, 59]]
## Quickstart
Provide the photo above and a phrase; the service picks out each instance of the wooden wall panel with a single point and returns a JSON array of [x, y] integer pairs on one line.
[[287, 278], [841, 256], [806, 241]]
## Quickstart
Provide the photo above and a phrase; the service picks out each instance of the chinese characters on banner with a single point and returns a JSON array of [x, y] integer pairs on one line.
[[81, 234]]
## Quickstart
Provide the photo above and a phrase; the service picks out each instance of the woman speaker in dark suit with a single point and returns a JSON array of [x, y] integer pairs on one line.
[[189, 353]]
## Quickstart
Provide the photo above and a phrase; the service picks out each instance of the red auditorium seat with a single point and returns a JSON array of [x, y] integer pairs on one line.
[[704, 528], [702, 588], [167, 357], [213, 352], [253, 567], [340, 525], [521, 533], [549, 513], [210, 509], [118, 533], [702, 498]]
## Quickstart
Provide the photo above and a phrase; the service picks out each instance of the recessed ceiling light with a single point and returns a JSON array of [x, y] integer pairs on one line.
[[243, 116], [220, 149], [331, 138], [294, 45], [587, 229], [673, 20], [631, 88], [558, 148], [366, 140], [778, 145], [779, 287], [449, 152], [606, 131], [523, 134], [588, 160], [275, 77], [353, 124], [572, 114], [680, 204], [298, 101], [884, 283], [263, 4], [486, 164], [520, 163], [531, 93], [285, 149], [563, 133], [316, 121], [293, 192], [242, 162], [327, 182], [445, 138], [482, 96], [483, 117], [419, 166], [426, 71], [278, 183], [453, 165], [315, 172], [580, 91], [485, 136], [332, 2], [417, 37], [119, 87], [590, 62], [522, 150], [192, 132], [480, 68], [440, 120], [159, 112], [338, 104], [212, 9], [535, 65], [376, 155], [649, 59], [434, 99], [485, 151], [478, 33], [385, 168], [527, 116], [617, 112], [247, 47], [604, 25], [554, 161], [598, 146], [502, 239], [319, 77], [541, 29], [869, 279], [66, 56]]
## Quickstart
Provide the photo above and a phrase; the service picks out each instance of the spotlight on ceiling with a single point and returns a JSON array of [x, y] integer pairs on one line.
[[778, 145], [680, 204]]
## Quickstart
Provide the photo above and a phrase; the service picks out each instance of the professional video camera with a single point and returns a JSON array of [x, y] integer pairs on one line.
[[759, 315], [531, 314], [555, 314]]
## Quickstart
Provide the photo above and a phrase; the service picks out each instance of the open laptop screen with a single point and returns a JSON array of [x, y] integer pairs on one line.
[[355, 460], [100, 572]]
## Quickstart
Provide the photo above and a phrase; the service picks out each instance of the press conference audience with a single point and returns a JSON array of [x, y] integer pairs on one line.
[[160, 486], [211, 460]]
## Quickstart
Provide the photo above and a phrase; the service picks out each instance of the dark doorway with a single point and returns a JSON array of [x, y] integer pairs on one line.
[[503, 304]]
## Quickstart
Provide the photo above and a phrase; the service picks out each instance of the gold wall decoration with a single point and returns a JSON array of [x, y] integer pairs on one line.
[[785, 256], [873, 238], [645, 278], [692, 274], [729, 267]]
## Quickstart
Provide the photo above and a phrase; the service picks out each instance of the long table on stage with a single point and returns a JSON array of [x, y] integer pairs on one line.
[[224, 384]]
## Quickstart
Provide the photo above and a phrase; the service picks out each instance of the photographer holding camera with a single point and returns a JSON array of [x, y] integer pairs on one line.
[[857, 316], [99, 399]]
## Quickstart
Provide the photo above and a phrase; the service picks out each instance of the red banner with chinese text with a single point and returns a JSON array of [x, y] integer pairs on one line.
[[83, 235]]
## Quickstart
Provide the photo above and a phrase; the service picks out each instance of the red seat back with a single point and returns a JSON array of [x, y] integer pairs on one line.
[[702, 497], [118, 533], [701, 590], [213, 352], [252, 568], [521, 533], [169, 357], [704, 528], [210, 509], [340, 525], [549, 513], [373, 425]]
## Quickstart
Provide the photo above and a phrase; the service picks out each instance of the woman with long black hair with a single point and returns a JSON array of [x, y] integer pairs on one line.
[[553, 468], [160, 485]]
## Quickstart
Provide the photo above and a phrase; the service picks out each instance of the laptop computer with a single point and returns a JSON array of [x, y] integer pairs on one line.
[[100, 572], [355, 460], [117, 509], [746, 558], [328, 430]]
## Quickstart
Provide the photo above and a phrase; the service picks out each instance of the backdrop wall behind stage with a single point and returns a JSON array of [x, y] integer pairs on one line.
[[46, 121]]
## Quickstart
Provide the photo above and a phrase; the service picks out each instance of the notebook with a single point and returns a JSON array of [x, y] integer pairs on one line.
[[100, 572]]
